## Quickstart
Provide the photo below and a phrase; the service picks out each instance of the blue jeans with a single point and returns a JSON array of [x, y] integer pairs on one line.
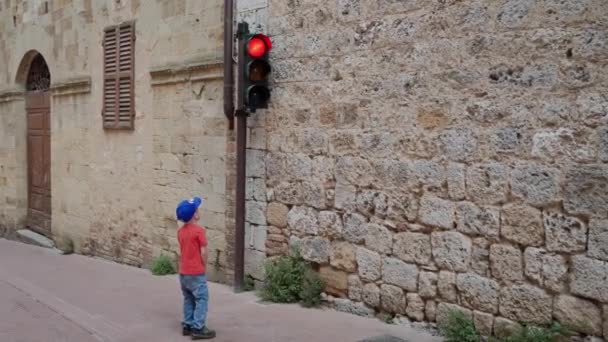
[[196, 299]]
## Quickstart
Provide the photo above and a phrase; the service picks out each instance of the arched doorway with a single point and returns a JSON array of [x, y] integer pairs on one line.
[[38, 108]]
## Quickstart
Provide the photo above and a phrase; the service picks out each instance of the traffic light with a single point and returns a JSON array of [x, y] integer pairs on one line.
[[254, 70]]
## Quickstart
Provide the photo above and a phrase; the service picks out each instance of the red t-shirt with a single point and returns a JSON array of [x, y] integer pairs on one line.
[[191, 238]]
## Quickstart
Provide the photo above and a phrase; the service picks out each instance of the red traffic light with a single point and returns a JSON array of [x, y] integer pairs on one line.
[[259, 45]]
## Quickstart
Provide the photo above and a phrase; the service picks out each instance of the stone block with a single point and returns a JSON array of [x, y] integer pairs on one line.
[[403, 207], [477, 292], [602, 134], [447, 286], [456, 181], [276, 214], [582, 315], [514, 13], [474, 220], [254, 263], [505, 327], [359, 309], [415, 307], [355, 287], [371, 295], [342, 256], [378, 239], [315, 249], [390, 172], [369, 264], [598, 239], [256, 166], [336, 281], [289, 193], [547, 270], [370, 203], [284, 167], [444, 310], [430, 310], [459, 144], [437, 212], [256, 212], [396, 272], [256, 189], [525, 303], [522, 224], [594, 108], [506, 262], [427, 284], [594, 200], [330, 224], [488, 183], [303, 220], [451, 250], [588, 278], [427, 174], [563, 233], [255, 236], [355, 228], [483, 322], [392, 299], [345, 196], [506, 140], [314, 194], [354, 171], [480, 257], [537, 185], [413, 248]]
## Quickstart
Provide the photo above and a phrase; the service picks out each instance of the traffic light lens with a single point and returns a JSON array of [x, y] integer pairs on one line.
[[258, 96], [256, 47], [258, 70]]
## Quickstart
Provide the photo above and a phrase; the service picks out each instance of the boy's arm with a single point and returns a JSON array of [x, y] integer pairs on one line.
[[203, 242], [204, 255]]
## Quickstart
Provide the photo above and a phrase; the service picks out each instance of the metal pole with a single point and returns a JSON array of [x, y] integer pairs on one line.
[[228, 65], [239, 245], [241, 175]]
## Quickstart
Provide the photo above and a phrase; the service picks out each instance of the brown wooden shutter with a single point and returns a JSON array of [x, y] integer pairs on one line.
[[118, 87]]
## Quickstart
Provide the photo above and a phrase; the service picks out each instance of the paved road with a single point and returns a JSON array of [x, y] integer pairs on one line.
[[49, 297]]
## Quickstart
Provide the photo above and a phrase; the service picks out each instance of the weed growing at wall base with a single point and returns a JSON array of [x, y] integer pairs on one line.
[[163, 265], [290, 279], [460, 328]]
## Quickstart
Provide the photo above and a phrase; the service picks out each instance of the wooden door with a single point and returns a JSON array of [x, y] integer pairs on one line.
[[39, 161]]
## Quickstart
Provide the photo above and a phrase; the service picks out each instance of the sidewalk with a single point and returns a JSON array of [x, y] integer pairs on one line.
[[49, 297]]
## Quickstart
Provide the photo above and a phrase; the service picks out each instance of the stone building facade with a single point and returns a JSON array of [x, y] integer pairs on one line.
[[425, 155], [114, 192], [437, 155]]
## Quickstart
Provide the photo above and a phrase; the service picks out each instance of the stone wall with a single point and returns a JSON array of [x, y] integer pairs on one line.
[[431, 155], [114, 193]]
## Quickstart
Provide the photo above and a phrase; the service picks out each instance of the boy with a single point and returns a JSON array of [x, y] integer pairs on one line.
[[192, 264]]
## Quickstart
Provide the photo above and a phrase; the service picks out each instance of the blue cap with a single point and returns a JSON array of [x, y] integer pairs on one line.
[[186, 208]]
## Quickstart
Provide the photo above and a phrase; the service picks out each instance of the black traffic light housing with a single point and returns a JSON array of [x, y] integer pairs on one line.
[[254, 70]]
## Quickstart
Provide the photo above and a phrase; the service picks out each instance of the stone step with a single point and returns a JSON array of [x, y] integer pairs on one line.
[[33, 238]]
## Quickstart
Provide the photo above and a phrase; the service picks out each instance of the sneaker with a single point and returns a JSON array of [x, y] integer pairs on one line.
[[202, 334], [186, 330]]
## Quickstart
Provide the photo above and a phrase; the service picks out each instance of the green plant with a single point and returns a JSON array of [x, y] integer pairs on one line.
[[312, 287], [388, 319], [529, 333], [163, 265], [290, 279], [284, 279], [249, 284], [459, 328], [67, 245]]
